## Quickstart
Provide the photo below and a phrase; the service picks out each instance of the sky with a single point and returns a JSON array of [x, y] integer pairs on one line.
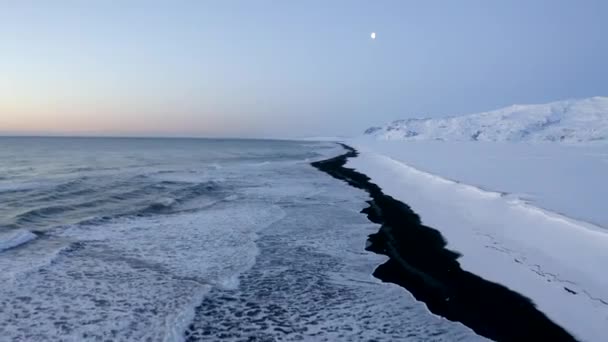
[[265, 68]]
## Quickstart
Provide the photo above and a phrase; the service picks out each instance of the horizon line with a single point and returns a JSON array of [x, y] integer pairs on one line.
[[17, 135]]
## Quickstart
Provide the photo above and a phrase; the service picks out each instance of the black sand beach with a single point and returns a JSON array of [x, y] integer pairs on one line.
[[421, 263]]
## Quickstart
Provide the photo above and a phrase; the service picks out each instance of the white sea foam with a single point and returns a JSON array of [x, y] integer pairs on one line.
[[15, 238], [180, 321], [313, 280], [37, 254], [133, 279], [165, 202]]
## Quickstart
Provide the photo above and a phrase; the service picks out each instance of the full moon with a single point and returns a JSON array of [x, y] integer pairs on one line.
[[373, 35]]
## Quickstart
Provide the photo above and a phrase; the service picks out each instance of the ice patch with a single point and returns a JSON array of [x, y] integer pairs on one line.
[[15, 238]]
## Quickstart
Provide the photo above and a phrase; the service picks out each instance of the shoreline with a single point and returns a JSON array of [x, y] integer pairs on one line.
[[420, 262]]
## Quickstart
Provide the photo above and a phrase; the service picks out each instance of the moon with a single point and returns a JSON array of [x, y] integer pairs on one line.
[[373, 35]]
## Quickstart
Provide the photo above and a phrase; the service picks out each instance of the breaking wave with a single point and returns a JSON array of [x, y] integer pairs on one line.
[[15, 238], [82, 201]]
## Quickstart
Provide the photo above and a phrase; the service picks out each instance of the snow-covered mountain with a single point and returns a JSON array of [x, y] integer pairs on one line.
[[567, 121]]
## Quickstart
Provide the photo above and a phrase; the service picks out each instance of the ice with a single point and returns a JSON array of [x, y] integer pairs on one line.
[[555, 260], [15, 238]]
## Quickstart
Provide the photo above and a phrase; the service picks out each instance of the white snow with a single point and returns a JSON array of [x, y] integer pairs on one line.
[[568, 121], [15, 238], [502, 237], [566, 179]]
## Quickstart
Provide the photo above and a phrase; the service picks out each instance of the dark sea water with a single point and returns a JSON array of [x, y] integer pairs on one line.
[[191, 239], [46, 182]]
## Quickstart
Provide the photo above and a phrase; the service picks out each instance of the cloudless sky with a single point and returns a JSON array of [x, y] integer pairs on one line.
[[287, 68]]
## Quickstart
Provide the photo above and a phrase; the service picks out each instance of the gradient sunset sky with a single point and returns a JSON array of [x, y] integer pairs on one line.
[[287, 68]]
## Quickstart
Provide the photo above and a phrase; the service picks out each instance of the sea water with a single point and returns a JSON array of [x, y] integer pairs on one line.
[[191, 239]]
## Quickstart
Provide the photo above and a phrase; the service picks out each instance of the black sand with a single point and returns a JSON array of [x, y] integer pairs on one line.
[[421, 263]]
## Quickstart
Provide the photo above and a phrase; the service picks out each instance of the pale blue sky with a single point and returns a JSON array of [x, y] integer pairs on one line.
[[287, 68]]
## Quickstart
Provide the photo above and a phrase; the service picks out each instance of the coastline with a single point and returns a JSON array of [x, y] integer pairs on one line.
[[420, 262]]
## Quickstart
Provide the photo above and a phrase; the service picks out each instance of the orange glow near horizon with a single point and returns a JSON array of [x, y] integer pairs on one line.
[[112, 121]]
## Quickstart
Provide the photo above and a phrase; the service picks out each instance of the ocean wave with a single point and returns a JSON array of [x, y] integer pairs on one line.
[[12, 186], [160, 206], [79, 201], [141, 190], [56, 196], [179, 197], [197, 190], [15, 238], [69, 185], [34, 215]]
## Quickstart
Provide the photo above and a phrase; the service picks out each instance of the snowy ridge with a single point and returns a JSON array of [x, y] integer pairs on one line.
[[563, 121]]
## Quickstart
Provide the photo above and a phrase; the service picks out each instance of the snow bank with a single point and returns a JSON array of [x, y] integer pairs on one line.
[[556, 261]]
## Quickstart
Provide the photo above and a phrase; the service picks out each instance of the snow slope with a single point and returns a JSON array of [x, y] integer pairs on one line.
[[567, 121], [556, 261]]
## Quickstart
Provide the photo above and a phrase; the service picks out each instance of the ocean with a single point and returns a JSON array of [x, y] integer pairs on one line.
[[142, 239]]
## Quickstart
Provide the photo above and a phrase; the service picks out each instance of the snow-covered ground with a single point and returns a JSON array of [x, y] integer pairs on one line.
[[568, 179], [527, 216], [568, 121]]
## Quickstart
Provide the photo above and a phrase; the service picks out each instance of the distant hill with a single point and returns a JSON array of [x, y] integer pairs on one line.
[[579, 120]]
